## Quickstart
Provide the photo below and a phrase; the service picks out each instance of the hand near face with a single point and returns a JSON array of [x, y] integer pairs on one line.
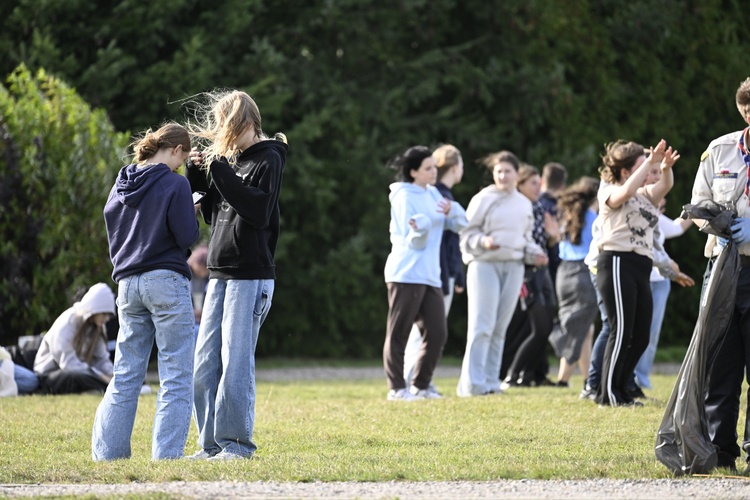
[[196, 157]]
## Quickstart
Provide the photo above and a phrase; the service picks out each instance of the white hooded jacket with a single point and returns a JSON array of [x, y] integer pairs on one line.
[[56, 351]]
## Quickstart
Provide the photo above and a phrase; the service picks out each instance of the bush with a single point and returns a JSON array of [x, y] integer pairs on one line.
[[58, 160]]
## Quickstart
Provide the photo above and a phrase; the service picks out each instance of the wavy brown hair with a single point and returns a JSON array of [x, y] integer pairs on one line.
[[618, 156], [572, 206]]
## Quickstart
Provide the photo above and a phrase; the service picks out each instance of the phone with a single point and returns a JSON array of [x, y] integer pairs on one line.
[[198, 196]]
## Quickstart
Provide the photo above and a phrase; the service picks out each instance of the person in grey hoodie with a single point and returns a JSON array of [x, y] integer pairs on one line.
[[419, 213], [151, 225], [495, 245]]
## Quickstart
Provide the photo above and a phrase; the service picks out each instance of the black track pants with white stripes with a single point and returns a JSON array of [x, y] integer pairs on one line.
[[623, 282]]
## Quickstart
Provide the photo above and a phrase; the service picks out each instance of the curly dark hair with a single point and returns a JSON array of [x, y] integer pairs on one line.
[[572, 206], [618, 156]]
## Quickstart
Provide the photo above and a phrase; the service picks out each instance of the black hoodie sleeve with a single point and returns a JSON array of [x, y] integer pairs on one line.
[[199, 182], [254, 204]]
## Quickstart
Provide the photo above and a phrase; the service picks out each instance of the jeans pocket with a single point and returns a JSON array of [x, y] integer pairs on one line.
[[165, 290]]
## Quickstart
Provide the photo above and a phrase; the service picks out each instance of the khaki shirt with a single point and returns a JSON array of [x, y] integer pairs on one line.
[[721, 177]]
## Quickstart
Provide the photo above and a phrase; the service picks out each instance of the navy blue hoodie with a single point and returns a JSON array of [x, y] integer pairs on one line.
[[151, 221], [242, 206]]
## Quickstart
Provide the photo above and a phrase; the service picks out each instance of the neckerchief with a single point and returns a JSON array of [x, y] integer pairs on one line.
[[745, 157]]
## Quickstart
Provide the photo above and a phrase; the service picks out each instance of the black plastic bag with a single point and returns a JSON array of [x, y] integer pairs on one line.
[[682, 441]]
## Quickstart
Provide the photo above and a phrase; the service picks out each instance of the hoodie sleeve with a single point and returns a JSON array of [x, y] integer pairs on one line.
[[456, 219], [472, 234], [181, 216], [199, 182], [254, 205], [403, 212]]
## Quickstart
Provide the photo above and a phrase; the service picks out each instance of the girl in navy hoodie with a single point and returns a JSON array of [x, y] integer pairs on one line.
[[151, 225]]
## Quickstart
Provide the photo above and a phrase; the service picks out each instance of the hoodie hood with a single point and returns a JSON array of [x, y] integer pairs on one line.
[[99, 299], [407, 188], [267, 144], [133, 182]]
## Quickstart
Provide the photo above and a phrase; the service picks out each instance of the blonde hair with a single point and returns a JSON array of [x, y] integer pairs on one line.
[[168, 136], [222, 119], [446, 156], [743, 98]]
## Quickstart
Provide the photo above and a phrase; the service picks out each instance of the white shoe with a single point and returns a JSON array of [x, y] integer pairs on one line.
[[228, 455], [146, 389], [429, 393], [400, 395]]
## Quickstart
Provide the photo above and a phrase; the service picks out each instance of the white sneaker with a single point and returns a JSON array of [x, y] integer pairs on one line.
[[228, 455], [429, 393], [400, 395], [146, 389], [199, 455]]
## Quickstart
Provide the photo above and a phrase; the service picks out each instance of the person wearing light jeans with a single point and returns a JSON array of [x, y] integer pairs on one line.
[[151, 225]]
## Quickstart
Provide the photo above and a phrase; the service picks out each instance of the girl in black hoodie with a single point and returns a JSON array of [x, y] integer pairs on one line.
[[240, 173]]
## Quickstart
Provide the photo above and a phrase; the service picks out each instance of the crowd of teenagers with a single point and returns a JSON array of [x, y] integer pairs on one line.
[[538, 259]]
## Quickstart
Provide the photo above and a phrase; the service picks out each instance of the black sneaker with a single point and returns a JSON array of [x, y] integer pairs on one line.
[[562, 383], [636, 393], [727, 461], [544, 382]]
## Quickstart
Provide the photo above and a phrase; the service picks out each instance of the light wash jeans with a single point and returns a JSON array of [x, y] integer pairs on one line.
[[26, 380], [155, 305], [414, 344], [224, 410], [660, 293], [492, 290], [594, 376]]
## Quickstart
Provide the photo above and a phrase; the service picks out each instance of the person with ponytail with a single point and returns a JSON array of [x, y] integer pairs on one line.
[[151, 225]]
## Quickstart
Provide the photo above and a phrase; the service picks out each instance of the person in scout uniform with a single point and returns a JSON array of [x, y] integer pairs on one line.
[[723, 177]]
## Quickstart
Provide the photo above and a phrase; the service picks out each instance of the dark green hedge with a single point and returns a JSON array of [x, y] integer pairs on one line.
[[354, 82]]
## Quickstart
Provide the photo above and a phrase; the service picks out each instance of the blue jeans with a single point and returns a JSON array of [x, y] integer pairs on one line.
[[597, 351], [660, 293], [224, 411], [26, 380], [155, 305]]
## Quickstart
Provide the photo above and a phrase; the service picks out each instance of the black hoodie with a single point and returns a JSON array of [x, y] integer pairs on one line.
[[242, 207]]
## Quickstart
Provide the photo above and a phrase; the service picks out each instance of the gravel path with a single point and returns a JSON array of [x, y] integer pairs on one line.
[[724, 488], [696, 487]]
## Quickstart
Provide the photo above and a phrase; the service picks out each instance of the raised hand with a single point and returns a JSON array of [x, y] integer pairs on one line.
[[670, 157], [657, 153]]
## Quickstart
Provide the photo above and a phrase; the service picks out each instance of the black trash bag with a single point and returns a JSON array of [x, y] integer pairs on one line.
[[682, 441]]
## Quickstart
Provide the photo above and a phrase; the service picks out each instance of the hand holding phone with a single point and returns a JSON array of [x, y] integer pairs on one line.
[[198, 196]]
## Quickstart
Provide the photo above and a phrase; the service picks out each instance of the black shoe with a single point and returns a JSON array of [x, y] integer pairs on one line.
[[636, 393], [727, 461], [588, 393], [631, 404], [544, 382], [562, 383]]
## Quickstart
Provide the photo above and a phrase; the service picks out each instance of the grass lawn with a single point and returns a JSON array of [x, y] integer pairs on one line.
[[347, 431]]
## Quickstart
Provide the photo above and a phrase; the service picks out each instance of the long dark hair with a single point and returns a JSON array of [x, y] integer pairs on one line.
[[572, 206], [410, 160]]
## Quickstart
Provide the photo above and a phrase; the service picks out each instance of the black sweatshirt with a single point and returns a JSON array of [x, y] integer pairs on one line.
[[242, 207]]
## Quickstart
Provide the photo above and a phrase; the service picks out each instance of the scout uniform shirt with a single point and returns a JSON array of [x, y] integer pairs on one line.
[[722, 177]]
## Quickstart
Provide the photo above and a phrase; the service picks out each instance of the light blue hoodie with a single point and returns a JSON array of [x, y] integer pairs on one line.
[[415, 254]]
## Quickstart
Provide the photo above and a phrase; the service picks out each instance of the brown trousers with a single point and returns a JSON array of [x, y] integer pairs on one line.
[[410, 303]]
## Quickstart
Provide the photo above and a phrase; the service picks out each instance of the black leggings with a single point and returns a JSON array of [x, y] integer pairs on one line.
[[623, 282]]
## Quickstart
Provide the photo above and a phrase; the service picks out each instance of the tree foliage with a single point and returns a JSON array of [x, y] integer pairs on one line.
[[56, 169], [354, 82]]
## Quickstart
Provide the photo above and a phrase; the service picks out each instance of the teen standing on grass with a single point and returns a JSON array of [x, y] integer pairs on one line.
[[151, 226], [419, 213], [495, 247], [450, 170], [629, 215], [240, 172]]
